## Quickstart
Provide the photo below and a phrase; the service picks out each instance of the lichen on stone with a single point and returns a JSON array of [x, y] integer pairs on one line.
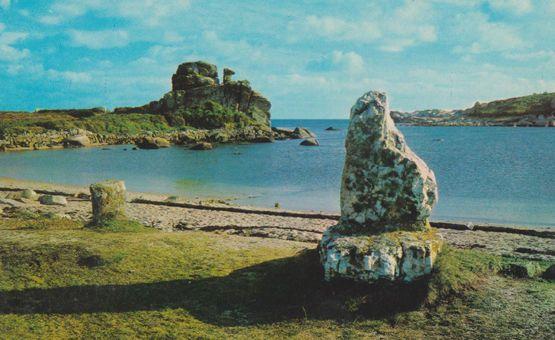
[[387, 196]]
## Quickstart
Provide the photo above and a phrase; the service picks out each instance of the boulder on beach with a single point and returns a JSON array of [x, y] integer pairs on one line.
[[53, 200], [387, 195], [29, 194], [202, 146], [310, 142], [153, 143], [77, 141], [108, 201]]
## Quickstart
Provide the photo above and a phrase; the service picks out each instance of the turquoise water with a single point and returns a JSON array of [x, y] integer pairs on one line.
[[496, 175]]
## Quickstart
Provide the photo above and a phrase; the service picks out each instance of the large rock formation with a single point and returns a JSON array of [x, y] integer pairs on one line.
[[196, 83], [387, 195]]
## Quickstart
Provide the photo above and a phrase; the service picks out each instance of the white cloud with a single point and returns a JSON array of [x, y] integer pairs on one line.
[[5, 4], [8, 52], [485, 36], [514, 6], [407, 25], [74, 77], [233, 49], [337, 61], [336, 29], [535, 55], [99, 39], [147, 12]]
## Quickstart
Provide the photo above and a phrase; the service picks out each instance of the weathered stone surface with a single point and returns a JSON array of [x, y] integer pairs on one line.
[[301, 133], [11, 202], [153, 143], [29, 194], [108, 201], [202, 146], [77, 141], [53, 200], [228, 73], [392, 256], [310, 142], [385, 186], [387, 195], [195, 74]]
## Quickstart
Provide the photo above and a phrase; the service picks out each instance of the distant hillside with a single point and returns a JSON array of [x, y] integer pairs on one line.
[[535, 104], [532, 110]]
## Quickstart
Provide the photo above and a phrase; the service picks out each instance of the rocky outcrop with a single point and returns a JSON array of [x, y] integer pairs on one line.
[[196, 83], [387, 195]]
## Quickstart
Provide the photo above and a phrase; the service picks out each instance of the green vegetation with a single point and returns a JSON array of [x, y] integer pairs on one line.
[[210, 115], [69, 281], [534, 104]]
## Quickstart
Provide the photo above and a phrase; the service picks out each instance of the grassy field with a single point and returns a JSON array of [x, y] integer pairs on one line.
[[60, 280]]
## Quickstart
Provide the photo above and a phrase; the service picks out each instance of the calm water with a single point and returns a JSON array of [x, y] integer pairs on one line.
[[496, 175]]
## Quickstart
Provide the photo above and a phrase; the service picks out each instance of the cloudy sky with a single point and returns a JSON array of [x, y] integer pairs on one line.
[[312, 59]]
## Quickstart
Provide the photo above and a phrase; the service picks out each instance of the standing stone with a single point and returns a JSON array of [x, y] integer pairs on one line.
[[108, 201], [387, 196]]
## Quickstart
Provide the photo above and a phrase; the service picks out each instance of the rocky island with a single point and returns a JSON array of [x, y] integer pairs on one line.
[[536, 110], [198, 109]]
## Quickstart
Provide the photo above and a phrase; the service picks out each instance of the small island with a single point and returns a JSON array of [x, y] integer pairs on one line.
[[198, 109]]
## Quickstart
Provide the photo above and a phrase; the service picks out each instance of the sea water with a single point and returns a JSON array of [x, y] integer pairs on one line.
[[497, 175]]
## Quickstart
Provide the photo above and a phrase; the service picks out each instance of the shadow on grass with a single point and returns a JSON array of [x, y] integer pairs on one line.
[[290, 288]]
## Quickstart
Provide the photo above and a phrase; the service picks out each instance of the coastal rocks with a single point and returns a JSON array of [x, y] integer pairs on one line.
[[387, 195], [301, 133], [297, 133], [202, 146], [152, 143], [108, 201], [77, 141], [310, 142], [53, 200]]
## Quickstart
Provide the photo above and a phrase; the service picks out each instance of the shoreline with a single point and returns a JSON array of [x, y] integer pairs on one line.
[[225, 204], [152, 210]]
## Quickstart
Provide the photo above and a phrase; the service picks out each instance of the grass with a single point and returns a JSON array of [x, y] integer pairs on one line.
[[70, 281]]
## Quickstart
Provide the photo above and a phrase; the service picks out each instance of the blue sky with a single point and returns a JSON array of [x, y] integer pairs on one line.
[[312, 59]]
